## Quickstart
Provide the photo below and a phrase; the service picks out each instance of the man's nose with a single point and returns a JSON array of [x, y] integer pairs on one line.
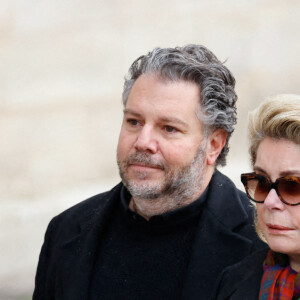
[[272, 201], [147, 140]]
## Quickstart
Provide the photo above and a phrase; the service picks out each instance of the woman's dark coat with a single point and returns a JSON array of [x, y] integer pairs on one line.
[[242, 280], [225, 235]]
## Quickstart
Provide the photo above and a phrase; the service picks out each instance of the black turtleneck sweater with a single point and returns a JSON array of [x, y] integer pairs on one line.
[[140, 259]]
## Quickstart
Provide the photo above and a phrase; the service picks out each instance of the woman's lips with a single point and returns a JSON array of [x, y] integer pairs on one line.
[[273, 228]]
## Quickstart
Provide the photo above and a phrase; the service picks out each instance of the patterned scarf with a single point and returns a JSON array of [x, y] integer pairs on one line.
[[279, 281]]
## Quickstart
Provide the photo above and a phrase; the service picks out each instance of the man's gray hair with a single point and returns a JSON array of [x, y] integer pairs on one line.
[[197, 64]]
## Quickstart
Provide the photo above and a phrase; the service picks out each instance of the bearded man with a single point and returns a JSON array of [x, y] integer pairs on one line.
[[174, 222]]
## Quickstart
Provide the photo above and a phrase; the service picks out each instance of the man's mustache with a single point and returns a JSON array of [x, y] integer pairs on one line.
[[145, 159]]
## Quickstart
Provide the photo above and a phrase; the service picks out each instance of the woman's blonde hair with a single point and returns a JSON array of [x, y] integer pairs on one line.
[[277, 117]]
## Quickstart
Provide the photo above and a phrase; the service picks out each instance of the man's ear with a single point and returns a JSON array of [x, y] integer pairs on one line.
[[215, 144]]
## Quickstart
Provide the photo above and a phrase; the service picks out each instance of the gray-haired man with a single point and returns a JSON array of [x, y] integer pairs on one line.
[[174, 222]]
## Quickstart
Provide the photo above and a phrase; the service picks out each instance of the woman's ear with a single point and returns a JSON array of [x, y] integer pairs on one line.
[[216, 142]]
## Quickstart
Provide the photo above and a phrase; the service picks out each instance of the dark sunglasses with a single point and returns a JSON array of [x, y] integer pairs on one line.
[[258, 187]]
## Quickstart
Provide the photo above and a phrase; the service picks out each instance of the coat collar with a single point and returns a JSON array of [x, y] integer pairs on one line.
[[223, 199]]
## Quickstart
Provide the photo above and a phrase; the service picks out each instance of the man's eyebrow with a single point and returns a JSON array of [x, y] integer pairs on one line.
[[132, 112], [174, 120]]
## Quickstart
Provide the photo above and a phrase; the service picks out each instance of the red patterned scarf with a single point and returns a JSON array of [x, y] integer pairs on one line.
[[279, 281]]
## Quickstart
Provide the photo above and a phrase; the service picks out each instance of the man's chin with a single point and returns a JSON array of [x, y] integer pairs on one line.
[[144, 179], [144, 189]]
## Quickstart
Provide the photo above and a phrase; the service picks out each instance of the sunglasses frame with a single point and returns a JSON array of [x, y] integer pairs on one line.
[[272, 185]]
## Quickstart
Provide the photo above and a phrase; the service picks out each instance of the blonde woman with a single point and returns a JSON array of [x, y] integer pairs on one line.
[[274, 187]]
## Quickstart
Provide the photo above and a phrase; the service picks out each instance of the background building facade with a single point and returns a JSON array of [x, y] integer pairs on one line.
[[62, 65]]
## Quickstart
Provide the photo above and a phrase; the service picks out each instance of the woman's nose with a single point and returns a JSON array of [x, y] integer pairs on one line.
[[272, 201]]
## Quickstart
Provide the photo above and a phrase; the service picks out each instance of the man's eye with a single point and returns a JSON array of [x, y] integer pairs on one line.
[[132, 122], [170, 129]]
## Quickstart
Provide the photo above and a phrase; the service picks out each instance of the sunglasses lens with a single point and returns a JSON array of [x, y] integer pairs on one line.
[[262, 189], [258, 188], [289, 189]]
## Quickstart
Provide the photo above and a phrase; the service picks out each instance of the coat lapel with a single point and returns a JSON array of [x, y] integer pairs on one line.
[[77, 256], [216, 243]]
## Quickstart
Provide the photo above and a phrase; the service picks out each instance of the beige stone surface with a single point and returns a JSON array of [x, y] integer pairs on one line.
[[62, 65]]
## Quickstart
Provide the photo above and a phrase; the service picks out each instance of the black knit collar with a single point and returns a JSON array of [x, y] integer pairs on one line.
[[170, 218]]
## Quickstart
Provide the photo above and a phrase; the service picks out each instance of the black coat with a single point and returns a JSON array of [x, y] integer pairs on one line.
[[242, 280], [225, 235]]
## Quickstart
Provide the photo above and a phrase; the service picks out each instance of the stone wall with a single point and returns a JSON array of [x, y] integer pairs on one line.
[[62, 65]]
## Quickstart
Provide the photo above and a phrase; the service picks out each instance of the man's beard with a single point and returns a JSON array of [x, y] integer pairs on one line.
[[179, 183]]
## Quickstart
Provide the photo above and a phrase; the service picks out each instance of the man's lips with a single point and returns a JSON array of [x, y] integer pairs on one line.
[[145, 166]]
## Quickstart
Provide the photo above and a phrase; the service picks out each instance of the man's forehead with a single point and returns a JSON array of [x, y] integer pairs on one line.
[[154, 86]]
